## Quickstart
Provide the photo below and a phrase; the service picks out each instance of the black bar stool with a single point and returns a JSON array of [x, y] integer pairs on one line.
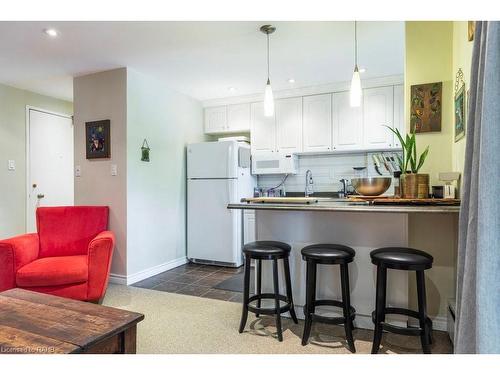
[[401, 258], [267, 250], [328, 254]]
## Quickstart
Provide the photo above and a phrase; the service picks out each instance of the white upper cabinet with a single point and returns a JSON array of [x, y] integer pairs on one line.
[[347, 123], [399, 117], [262, 130], [238, 117], [215, 119], [289, 125], [378, 110], [317, 125]]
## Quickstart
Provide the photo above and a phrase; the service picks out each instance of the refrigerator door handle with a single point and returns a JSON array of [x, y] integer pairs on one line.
[[229, 160]]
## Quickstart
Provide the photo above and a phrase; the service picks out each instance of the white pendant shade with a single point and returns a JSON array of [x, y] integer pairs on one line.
[[356, 89], [268, 100]]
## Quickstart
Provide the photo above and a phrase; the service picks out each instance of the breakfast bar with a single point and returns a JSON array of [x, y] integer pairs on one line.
[[364, 227]]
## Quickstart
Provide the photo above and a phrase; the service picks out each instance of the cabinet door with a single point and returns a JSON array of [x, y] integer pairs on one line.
[[399, 122], [238, 117], [249, 234], [347, 123], [289, 125], [317, 126], [215, 119], [262, 131], [378, 111]]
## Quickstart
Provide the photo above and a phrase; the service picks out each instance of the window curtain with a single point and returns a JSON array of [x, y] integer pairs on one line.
[[477, 325]]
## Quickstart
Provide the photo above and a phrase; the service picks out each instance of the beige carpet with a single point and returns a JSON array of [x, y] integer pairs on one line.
[[176, 323]]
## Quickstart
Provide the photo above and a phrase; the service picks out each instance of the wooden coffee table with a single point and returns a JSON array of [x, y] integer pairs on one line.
[[40, 323]]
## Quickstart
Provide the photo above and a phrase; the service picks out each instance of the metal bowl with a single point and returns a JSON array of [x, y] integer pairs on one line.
[[371, 186]]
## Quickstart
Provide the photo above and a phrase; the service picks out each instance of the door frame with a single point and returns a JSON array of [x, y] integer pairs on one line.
[[27, 176]]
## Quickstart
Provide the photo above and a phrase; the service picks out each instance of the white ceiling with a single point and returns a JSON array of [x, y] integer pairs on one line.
[[200, 59]]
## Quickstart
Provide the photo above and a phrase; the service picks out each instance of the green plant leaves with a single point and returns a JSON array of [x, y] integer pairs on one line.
[[409, 152]]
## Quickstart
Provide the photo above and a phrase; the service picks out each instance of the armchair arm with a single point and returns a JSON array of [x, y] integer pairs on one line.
[[15, 252], [100, 253]]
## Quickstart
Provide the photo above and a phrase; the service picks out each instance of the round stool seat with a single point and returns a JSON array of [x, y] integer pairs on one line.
[[328, 253], [267, 249], [402, 258]]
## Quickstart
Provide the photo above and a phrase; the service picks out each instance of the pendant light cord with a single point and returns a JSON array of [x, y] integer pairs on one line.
[[267, 57], [356, 44]]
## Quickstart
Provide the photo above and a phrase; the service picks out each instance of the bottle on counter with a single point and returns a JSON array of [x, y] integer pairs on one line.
[[397, 184]]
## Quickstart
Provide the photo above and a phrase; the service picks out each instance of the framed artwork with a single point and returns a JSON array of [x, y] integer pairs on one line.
[[425, 107], [98, 139], [460, 101], [471, 26]]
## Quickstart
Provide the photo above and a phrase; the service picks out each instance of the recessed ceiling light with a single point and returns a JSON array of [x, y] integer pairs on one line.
[[362, 70], [291, 80], [51, 32], [232, 89]]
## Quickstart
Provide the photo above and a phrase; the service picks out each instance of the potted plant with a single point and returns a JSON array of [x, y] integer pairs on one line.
[[413, 184]]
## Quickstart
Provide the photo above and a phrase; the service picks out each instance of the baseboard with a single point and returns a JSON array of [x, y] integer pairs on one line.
[[141, 275]]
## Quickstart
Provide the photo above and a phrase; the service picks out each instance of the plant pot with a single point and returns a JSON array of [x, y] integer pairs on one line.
[[414, 185]]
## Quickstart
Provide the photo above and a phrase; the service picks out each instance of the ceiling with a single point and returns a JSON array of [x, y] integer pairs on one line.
[[200, 59]]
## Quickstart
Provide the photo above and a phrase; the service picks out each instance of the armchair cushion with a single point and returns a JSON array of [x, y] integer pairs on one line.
[[52, 271], [65, 231]]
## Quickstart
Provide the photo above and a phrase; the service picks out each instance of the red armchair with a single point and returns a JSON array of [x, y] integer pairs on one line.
[[70, 256]]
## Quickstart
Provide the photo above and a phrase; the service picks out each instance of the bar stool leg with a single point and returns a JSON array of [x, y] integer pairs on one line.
[[246, 294], [276, 299], [379, 307], [310, 298], [346, 301], [288, 282], [422, 313], [258, 291]]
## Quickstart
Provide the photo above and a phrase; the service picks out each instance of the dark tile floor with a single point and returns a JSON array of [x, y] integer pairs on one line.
[[194, 280]]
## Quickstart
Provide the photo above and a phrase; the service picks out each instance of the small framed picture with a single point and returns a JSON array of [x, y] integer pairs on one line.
[[460, 98], [98, 139]]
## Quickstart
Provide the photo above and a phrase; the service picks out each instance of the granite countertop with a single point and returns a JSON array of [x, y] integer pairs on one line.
[[345, 206]]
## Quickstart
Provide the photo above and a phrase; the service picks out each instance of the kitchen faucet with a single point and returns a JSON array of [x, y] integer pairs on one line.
[[309, 183]]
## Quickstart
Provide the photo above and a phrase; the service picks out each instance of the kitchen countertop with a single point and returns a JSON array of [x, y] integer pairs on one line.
[[345, 206]]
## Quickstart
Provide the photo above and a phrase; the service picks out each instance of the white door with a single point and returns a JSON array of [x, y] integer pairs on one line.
[[215, 119], [347, 123], [317, 133], [238, 117], [377, 112], [214, 232], [399, 122], [263, 130], [289, 125], [50, 162], [212, 160]]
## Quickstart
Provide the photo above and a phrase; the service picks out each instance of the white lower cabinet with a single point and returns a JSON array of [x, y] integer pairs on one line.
[[347, 123], [289, 125], [378, 110], [249, 228], [317, 125]]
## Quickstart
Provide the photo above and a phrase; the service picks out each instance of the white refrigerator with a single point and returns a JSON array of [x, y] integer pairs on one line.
[[218, 173]]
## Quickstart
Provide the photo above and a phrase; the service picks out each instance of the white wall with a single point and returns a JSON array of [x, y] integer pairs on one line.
[[102, 96], [156, 191], [13, 104]]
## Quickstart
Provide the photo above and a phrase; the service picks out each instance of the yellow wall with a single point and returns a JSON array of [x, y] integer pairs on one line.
[[429, 54]]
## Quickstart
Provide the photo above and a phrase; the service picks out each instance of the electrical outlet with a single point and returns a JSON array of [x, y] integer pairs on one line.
[[114, 170], [78, 171], [11, 165]]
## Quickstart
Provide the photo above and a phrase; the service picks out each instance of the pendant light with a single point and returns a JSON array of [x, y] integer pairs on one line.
[[268, 93], [356, 79]]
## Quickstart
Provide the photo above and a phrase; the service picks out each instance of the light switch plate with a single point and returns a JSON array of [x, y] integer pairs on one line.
[[78, 171], [114, 170], [11, 165]]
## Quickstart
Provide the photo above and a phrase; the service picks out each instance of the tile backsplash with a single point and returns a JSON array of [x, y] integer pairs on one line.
[[327, 170]]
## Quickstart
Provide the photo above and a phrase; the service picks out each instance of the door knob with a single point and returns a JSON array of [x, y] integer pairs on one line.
[[40, 196]]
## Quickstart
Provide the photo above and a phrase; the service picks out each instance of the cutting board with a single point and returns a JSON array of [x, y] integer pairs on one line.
[[296, 200], [406, 201]]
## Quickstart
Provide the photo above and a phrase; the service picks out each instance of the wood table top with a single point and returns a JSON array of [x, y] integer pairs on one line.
[[33, 322]]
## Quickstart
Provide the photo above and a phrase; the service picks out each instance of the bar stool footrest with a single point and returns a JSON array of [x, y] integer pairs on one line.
[[331, 320], [410, 331], [268, 310]]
